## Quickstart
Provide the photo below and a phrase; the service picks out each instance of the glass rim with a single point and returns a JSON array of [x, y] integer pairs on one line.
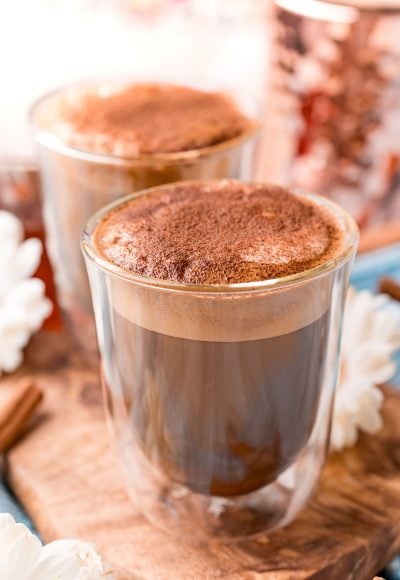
[[45, 137], [350, 229]]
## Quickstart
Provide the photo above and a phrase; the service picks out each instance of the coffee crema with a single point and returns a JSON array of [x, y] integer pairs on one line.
[[146, 119], [219, 233], [220, 389]]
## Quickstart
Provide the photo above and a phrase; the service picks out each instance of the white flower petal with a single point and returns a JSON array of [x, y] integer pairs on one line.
[[6, 519], [57, 567], [23, 304], [371, 335], [22, 557], [78, 560], [10, 228], [19, 549], [39, 313], [372, 360], [370, 423], [344, 433], [30, 302], [28, 258], [10, 360]]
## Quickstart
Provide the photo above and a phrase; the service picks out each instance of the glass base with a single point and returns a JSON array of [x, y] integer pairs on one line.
[[197, 517], [176, 509]]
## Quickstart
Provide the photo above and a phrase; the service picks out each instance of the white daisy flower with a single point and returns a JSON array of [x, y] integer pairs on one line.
[[23, 557], [371, 335], [23, 305]]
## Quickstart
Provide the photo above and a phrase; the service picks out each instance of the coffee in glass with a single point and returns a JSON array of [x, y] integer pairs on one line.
[[218, 308]]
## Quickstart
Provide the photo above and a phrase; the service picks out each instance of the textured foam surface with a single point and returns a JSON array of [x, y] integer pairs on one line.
[[220, 232], [146, 119]]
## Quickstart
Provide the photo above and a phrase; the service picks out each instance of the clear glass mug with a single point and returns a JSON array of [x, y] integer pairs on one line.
[[220, 396], [77, 183]]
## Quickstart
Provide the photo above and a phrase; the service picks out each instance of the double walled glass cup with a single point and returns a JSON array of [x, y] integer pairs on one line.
[[220, 396], [77, 183]]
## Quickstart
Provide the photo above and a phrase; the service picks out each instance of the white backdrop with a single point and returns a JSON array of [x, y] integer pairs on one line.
[[47, 43]]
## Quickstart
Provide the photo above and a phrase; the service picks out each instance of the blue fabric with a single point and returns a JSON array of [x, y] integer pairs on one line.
[[368, 268], [366, 273], [9, 504]]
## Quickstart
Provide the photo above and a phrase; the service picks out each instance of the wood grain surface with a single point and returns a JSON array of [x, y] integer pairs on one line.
[[65, 474]]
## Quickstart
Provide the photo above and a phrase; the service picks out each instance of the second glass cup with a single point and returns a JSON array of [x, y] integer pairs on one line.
[[77, 182]]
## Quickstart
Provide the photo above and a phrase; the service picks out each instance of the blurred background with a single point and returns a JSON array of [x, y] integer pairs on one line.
[[48, 43], [327, 76]]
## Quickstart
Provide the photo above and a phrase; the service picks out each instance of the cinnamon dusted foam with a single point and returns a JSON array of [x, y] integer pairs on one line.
[[219, 232], [147, 119]]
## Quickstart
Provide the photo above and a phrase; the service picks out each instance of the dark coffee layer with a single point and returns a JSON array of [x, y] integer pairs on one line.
[[222, 418], [146, 119], [219, 232]]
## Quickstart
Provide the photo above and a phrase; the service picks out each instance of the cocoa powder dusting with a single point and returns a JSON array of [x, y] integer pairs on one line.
[[218, 233], [146, 119]]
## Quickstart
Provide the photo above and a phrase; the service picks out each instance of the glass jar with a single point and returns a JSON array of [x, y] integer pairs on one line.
[[333, 111]]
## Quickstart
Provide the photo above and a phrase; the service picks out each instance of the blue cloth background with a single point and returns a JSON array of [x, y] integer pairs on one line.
[[367, 271]]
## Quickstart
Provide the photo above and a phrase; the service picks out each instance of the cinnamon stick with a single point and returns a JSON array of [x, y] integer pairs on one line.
[[17, 410], [390, 286]]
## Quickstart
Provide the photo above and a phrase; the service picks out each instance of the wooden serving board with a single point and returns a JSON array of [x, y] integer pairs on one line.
[[65, 474]]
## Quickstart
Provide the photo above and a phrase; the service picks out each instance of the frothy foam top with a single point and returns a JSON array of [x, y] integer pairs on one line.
[[144, 119], [219, 233]]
